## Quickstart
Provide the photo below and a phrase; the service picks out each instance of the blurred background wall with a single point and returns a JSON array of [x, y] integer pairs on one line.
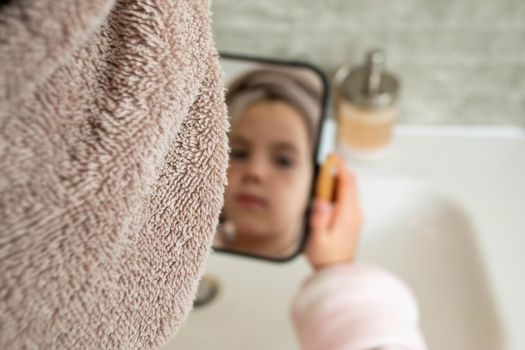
[[460, 61]]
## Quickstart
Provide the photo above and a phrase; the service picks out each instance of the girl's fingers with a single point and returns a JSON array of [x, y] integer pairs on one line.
[[347, 202], [342, 195], [321, 216], [333, 175]]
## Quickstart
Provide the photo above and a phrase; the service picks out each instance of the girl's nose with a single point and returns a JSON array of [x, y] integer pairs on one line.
[[256, 170]]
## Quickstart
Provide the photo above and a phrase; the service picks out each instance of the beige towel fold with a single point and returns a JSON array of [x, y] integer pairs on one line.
[[113, 155]]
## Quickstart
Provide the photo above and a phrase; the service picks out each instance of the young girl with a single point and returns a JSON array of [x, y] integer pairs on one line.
[[344, 305], [273, 115]]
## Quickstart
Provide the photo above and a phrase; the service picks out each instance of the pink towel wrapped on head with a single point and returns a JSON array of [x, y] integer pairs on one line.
[[113, 156], [356, 307]]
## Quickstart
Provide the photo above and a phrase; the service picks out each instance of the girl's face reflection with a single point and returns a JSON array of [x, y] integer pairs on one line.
[[269, 174]]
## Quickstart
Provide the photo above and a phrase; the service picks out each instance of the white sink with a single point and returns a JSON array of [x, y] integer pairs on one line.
[[428, 240], [426, 220]]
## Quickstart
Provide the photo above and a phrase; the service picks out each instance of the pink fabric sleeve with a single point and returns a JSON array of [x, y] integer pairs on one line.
[[356, 307]]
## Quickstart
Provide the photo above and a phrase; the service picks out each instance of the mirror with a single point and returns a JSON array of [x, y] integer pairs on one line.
[[276, 109]]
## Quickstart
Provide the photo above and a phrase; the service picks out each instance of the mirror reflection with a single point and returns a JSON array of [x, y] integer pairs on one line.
[[274, 111]]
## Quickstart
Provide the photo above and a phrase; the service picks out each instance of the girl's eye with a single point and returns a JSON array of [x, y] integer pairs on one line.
[[284, 161], [238, 153]]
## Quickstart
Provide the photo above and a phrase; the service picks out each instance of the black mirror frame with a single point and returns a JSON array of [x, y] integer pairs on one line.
[[324, 105]]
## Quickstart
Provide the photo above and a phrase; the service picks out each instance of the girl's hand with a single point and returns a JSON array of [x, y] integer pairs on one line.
[[334, 226]]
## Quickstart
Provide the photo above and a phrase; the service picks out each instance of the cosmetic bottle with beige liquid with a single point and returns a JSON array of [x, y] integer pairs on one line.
[[366, 107]]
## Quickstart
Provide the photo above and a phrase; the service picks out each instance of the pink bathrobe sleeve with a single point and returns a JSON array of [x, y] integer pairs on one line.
[[356, 307]]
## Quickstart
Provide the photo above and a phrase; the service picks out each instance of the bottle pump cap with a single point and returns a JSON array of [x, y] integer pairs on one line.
[[369, 85]]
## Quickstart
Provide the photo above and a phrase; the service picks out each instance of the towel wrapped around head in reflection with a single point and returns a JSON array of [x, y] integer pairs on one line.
[[300, 87]]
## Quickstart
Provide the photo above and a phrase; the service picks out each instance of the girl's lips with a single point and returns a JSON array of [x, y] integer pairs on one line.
[[250, 200]]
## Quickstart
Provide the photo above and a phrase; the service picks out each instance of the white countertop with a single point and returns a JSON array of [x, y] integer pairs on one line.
[[483, 169]]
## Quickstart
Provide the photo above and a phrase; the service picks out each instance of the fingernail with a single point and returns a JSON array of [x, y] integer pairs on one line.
[[322, 205]]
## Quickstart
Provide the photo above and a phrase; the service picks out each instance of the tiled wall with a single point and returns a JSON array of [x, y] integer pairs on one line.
[[460, 61]]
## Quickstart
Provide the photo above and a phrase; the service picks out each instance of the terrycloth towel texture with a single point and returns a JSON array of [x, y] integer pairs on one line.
[[113, 155], [356, 307]]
